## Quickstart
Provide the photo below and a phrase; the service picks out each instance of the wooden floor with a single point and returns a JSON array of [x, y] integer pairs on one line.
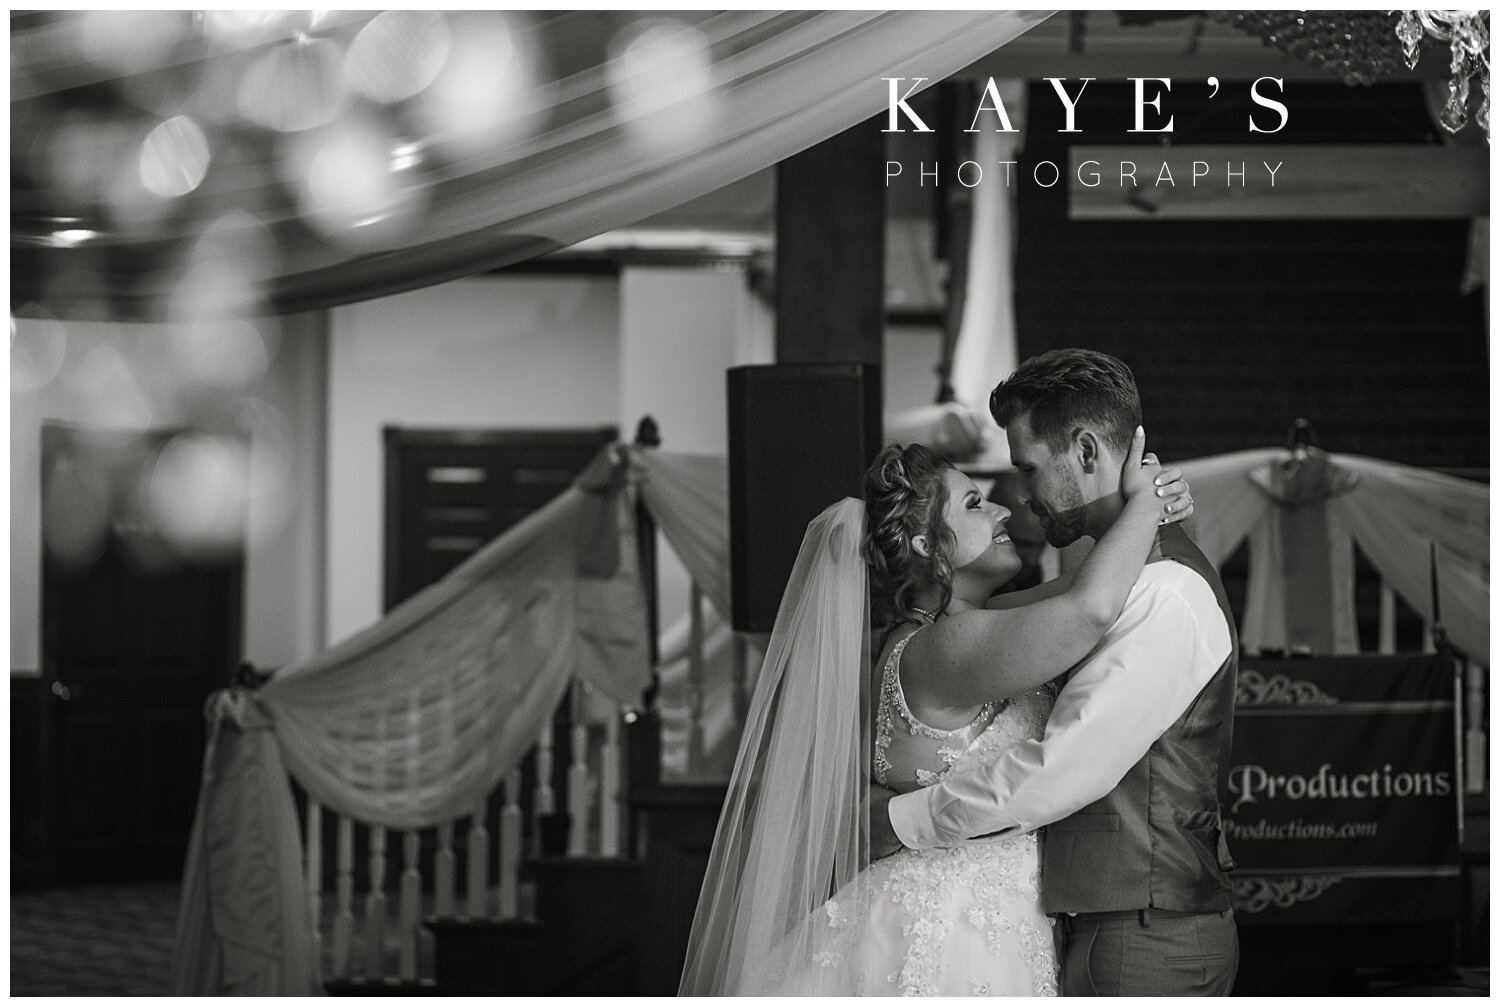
[[116, 940], [99, 940]]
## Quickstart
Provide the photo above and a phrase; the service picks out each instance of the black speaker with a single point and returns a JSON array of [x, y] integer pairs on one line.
[[800, 438]]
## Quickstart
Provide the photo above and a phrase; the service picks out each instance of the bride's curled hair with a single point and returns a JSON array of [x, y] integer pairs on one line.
[[905, 496]]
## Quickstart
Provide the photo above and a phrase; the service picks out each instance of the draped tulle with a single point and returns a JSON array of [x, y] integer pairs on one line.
[[571, 161], [1394, 513], [410, 723], [794, 829], [415, 719]]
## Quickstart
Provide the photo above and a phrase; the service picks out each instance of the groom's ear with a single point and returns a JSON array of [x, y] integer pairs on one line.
[[1087, 448]]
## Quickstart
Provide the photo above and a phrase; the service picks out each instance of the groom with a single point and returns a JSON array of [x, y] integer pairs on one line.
[[1126, 777]]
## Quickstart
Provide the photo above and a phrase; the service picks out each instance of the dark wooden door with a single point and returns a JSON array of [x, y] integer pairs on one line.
[[448, 492], [129, 654]]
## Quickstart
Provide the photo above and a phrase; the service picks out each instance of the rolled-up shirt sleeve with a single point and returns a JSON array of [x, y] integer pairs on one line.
[[1169, 641]]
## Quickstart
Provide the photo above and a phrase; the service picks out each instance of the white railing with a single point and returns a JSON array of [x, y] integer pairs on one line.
[[409, 876]]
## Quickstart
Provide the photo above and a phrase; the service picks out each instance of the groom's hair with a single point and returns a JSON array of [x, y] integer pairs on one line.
[[1060, 390]]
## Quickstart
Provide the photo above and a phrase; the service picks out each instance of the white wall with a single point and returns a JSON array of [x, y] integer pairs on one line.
[[910, 377], [513, 351], [284, 590], [127, 376], [680, 330]]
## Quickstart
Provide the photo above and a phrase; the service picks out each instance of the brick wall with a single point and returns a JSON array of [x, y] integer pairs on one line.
[[1233, 328]]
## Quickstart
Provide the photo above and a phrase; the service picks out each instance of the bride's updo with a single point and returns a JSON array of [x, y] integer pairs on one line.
[[905, 496]]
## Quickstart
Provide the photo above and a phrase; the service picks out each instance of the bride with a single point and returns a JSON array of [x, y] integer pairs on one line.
[[791, 904]]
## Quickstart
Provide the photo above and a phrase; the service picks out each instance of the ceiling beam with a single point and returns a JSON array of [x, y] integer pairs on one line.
[[1276, 181]]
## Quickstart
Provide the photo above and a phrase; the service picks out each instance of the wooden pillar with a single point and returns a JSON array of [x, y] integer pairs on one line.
[[830, 250]]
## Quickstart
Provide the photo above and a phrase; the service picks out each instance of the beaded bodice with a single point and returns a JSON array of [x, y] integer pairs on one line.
[[909, 754], [943, 920]]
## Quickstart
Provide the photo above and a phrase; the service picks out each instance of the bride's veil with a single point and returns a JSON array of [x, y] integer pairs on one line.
[[795, 826]]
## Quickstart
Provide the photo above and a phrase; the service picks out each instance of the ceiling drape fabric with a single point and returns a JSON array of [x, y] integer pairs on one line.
[[806, 76], [775, 83]]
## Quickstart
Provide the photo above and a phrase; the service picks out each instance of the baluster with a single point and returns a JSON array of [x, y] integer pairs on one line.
[[579, 798], [313, 874], [1476, 744], [479, 851], [544, 799], [343, 915], [1387, 643], [411, 902], [409, 886], [375, 908], [696, 684], [509, 867], [444, 871], [1428, 647], [609, 788]]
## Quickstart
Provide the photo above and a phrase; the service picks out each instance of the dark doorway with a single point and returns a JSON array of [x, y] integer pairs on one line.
[[448, 492], [133, 642]]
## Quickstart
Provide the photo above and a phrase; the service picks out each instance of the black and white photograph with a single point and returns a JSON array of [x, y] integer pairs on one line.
[[735, 502]]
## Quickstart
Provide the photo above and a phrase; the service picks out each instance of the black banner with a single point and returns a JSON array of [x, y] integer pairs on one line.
[[1344, 796]]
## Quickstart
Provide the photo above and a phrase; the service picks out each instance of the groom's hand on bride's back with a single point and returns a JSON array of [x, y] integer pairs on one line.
[[883, 840]]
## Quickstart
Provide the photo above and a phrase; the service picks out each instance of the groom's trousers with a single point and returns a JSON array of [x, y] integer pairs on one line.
[[1149, 952]]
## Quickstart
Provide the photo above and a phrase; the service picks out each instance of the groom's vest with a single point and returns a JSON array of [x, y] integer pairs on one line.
[[1156, 840]]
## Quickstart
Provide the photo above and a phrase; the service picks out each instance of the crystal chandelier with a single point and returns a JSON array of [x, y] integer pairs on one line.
[[1361, 47], [1467, 33], [1356, 46]]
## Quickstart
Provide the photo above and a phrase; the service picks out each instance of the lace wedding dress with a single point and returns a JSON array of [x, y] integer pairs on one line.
[[939, 922]]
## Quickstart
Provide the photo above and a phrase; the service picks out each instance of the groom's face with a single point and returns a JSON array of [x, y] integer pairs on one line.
[[1050, 483]]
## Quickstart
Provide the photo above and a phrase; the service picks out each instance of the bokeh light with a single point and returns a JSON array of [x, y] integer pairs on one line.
[[195, 494], [293, 86], [397, 55], [224, 272], [133, 208], [218, 356], [174, 157], [361, 186], [235, 28], [106, 392], [484, 101], [69, 237], [661, 84], [128, 42], [38, 347]]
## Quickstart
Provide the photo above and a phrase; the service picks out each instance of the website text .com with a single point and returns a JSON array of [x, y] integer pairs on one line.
[[1298, 829]]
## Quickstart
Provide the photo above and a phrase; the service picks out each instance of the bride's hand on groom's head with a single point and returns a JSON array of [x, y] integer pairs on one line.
[[1138, 476], [1143, 474], [1175, 494]]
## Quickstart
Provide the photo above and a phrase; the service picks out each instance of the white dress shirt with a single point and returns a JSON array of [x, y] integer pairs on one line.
[[1170, 639]]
